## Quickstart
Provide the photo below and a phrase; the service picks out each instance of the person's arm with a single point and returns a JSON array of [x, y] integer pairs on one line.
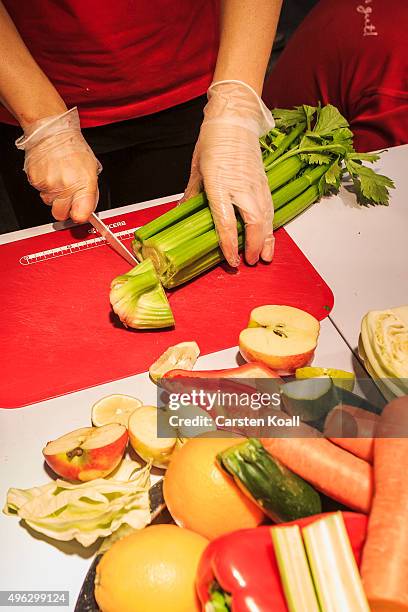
[[58, 161], [247, 31], [227, 160], [24, 89]]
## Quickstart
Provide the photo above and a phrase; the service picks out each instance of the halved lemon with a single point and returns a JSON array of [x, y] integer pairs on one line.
[[115, 408]]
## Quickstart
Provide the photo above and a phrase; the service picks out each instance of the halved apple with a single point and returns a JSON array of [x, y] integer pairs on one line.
[[151, 435], [282, 337], [87, 453]]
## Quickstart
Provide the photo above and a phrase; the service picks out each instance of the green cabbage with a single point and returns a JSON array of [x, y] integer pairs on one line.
[[383, 347], [87, 511]]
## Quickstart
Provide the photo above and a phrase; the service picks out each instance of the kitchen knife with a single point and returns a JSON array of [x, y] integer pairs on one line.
[[86, 599], [111, 239]]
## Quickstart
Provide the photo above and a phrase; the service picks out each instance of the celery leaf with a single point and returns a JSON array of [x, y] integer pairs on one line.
[[333, 175], [331, 179], [316, 158], [287, 118], [370, 157], [309, 114], [371, 188], [330, 119], [313, 157]]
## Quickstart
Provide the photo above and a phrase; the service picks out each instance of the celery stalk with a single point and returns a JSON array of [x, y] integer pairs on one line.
[[183, 262], [139, 299], [285, 144], [294, 569], [334, 569], [284, 172], [208, 261], [296, 206], [185, 254], [175, 236], [277, 177], [292, 189], [176, 214]]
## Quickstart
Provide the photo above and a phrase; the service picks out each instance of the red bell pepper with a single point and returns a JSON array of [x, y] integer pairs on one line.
[[248, 370], [247, 380], [243, 565]]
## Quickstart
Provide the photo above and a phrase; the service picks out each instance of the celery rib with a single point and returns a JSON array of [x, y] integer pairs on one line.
[[291, 190], [296, 206], [208, 261], [285, 144], [284, 172], [176, 214]]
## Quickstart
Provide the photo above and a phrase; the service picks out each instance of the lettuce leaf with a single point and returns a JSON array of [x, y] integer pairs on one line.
[[87, 511]]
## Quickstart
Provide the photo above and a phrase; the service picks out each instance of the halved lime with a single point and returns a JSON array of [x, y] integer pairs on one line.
[[340, 378]]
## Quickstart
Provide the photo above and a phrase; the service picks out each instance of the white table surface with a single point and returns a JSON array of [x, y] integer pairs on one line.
[[330, 234], [361, 252]]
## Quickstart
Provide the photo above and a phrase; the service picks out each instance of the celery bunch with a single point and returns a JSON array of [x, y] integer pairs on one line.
[[304, 157]]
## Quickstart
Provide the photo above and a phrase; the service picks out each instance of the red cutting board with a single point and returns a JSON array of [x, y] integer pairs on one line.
[[59, 334]]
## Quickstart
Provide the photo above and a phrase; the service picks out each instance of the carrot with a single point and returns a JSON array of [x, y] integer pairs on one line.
[[385, 557], [330, 469], [358, 424]]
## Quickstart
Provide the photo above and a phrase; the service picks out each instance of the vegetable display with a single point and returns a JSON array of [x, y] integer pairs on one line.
[[241, 567], [383, 347], [221, 487], [280, 493]]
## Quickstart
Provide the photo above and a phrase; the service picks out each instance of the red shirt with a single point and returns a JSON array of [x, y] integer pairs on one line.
[[120, 59], [353, 54]]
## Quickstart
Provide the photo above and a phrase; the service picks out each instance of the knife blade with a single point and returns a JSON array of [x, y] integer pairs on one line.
[[111, 239], [86, 599]]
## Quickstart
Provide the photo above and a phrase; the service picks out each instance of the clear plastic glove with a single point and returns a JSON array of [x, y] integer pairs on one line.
[[61, 165], [227, 164]]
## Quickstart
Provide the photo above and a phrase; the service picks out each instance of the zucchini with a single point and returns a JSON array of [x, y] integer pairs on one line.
[[281, 494], [311, 399]]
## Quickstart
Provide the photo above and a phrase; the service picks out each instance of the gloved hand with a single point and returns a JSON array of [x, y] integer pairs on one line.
[[227, 164], [61, 165]]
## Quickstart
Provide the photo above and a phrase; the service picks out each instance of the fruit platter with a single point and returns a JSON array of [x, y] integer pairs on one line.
[[197, 504]]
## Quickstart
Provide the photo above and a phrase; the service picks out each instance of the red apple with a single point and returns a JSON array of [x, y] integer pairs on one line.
[[282, 337], [87, 453]]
